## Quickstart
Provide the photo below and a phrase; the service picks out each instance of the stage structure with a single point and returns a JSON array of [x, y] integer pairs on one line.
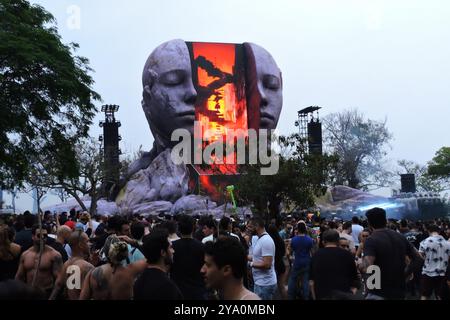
[[110, 147], [310, 129], [218, 90]]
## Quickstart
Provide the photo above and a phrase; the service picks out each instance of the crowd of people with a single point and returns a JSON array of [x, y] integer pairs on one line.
[[72, 256]]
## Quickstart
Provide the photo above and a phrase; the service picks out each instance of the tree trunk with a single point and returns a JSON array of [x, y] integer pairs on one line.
[[77, 198], [274, 208], [93, 208]]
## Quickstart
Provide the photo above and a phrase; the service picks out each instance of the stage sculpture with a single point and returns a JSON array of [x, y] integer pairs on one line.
[[221, 87]]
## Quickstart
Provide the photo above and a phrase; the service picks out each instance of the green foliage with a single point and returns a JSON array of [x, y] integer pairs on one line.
[[299, 179], [46, 100], [440, 164]]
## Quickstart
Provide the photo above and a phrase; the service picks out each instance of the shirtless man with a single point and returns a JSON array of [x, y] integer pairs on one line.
[[112, 281], [78, 242], [50, 266]]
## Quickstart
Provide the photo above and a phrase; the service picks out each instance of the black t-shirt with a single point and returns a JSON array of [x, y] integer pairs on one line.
[[389, 249], [188, 259], [60, 248], [333, 271], [24, 238], [280, 251], [154, 284], [198, 234], [412, 237], [99, 242]]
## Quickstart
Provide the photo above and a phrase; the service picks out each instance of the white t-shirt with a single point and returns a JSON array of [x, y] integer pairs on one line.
[[356, 230], [437, 253], [351, 243], [263, 247], [208, 238], [95, 224]]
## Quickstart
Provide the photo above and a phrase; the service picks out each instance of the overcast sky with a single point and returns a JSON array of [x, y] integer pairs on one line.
[[389, 59]]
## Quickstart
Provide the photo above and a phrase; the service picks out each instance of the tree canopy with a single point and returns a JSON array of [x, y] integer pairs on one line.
[[439, 167], [299, 179], [46, 95], [360, 145]]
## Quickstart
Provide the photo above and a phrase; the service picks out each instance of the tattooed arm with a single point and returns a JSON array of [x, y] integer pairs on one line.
[[59, 283], [57, 265], [86, 291]]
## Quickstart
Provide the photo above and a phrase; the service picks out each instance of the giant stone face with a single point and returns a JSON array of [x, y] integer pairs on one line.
[[169, 95]]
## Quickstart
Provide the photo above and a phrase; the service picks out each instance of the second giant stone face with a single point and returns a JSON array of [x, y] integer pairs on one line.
[[264, 85]]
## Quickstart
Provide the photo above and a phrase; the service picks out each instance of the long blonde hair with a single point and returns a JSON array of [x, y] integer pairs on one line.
[[5, 244]]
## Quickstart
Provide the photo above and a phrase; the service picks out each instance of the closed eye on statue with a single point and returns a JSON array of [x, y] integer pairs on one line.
[[173, 78], [271, 82]]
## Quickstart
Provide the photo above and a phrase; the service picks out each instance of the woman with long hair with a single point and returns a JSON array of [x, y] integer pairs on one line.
[[9, 253]]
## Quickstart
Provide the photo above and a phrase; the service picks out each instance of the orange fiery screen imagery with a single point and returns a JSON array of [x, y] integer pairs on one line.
[[221, 108]]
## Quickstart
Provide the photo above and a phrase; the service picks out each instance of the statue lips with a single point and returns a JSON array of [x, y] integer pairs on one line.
[[266, 119], [188, 115]]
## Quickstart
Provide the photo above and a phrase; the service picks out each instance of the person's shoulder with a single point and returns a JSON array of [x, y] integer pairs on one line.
[[83, 264], [16, 249], [54, 253], [251, 296], [320, 253], [347, 255], [27, 252], [267, 239], [197, 244]]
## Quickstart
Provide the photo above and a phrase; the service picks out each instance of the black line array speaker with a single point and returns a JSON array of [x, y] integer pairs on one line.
[[111, 149], [408, 182], [315, 137]]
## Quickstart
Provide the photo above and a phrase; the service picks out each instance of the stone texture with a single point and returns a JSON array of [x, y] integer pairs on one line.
[[161, 181], [240, 211], [193, 204], [341, 193], [152, 208]]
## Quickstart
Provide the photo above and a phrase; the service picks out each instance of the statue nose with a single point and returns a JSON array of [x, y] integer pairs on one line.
[[191, 96], [263, 98]]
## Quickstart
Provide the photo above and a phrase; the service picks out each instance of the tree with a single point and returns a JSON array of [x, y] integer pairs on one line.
[[45, 94], [300, 177], [424, 181], [89, 159], [440, 164], [439, 167], [360, 146]]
